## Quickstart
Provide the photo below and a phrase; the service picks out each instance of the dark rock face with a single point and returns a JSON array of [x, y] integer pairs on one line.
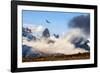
[[27, 52], [46, 33], [56, 36], [84, 45], [81, 43], [27, 33], [31, 37]]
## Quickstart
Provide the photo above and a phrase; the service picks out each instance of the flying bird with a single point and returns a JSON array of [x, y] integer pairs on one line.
[[47, 21]]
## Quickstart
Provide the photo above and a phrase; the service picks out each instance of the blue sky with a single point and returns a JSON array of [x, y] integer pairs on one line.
[[58, 20]]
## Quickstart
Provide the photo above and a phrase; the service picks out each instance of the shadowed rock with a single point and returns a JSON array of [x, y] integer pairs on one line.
[[46, 33], [84, 45], [56, 36], [27, 52], [27, 33]]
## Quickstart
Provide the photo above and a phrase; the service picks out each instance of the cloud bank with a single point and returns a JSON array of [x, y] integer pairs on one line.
[[62, 45]]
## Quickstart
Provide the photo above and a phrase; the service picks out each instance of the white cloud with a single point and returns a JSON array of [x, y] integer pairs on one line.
[[62, 45], [34, 28], [28, 25], [39, 28]]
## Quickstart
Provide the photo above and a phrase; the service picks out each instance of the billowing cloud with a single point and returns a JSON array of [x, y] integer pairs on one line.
[[62, 45], [82, 22], [39, 28], [34, 28]]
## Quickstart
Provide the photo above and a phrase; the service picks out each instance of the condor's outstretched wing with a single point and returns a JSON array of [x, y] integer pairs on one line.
[[47, 21]]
